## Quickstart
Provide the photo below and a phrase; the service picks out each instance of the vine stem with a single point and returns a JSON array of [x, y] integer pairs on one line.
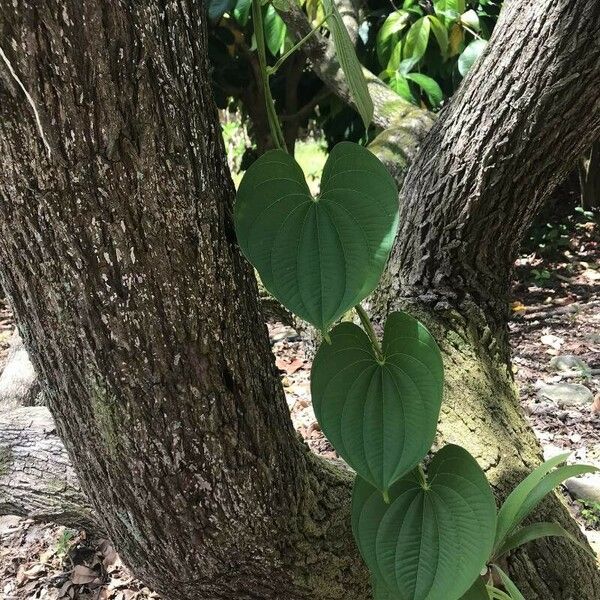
[[368, 327], [422, 478], [272, 70], [259, 34]]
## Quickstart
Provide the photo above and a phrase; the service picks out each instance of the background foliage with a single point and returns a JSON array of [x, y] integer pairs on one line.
[[421, 49]]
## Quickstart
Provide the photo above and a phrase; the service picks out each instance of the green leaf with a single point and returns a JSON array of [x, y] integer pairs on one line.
[[275, 30], [509, 586], [478, 591], [470, 19], [349, 63], [380, 591], [388, 35], [399, 84], [433, 538], [529, 493], [217, 8], [417, 39], [380, 415], [318, 257], [536, 531], [440, 33], [496, 594], [429, 86], [509, 510], [469, 55], [448, 9], [395, 58], [242, 10]]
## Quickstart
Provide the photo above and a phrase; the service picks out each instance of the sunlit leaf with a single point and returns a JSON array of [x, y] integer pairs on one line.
[[471, 20], [470, 54], [242, 10], [388, 35], [275, 30], [400, 85], [429, 86], [416, 42], [440, 33], [395, 58]]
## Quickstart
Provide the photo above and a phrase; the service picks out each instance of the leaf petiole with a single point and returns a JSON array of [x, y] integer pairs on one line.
[[272, 118], [422, 477], [368, 327]]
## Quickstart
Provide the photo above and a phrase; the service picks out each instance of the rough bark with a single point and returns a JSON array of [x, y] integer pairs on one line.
[[118, 256], [19, 385], [36, 477], [514, 130]]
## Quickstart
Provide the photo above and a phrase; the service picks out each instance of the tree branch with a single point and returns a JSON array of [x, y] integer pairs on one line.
[[515, 128], [390, 108]]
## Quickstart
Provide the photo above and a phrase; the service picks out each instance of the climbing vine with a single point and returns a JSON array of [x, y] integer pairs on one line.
[[426, 530]]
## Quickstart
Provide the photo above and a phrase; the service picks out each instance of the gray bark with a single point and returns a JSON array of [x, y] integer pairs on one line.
[[513, 131], [36, 477], [18, 382], [118, 256]]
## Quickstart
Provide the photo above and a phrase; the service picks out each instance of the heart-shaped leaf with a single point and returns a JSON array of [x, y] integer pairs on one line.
[[478, 591], [379, 414], [434, 537], [318, 257]]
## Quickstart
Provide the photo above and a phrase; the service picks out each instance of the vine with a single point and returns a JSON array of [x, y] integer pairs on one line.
[[424, 533]]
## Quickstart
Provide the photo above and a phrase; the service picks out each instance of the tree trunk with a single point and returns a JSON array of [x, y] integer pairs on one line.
[[118, 256], [514, 129]]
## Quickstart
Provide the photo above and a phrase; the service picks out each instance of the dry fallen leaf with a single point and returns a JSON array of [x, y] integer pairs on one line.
[[83, 575], [289, 366], [65, 590], [33, 572]]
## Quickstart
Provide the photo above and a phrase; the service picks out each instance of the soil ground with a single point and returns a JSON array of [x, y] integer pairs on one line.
[[555, 312]]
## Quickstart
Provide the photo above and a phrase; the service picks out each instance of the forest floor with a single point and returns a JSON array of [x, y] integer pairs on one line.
[[555, 334]]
